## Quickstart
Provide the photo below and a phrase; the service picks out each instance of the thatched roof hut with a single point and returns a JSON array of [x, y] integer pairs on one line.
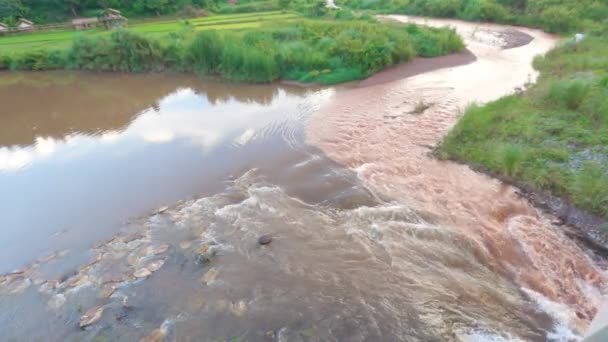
[[113, 18], [25, 25], [84, 23]]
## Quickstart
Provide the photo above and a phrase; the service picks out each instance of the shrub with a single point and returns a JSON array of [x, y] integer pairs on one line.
[[37, 60], [590, 187], [485, 10], [570, 93], [122, 51], [5, 61], [510, 157], [204, 54], [558, 19]]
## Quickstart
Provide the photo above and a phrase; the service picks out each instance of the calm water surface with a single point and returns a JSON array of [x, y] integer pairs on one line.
[[136, 201]]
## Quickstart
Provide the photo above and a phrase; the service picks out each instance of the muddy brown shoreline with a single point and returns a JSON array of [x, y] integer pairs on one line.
[[581, 225]]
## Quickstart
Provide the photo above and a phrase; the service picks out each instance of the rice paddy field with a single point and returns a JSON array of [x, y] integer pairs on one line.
[[63, 38]]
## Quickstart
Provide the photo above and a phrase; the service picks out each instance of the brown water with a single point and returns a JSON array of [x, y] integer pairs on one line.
[[137, 201], [378, 131]]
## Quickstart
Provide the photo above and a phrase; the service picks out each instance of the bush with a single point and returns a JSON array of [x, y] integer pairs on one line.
[[122, 51], [558, 19], [204, 54], [569, 93], [484, 10], [590, 188], [5, 62], [35, 60], [308, 50], [510, 157]]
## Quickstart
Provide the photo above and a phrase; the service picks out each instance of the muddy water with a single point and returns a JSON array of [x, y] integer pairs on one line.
[[81, 154], [132, 206], [386, 131]]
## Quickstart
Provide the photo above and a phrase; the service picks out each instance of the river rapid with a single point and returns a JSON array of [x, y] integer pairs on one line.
[[132, 207], [380, 132]]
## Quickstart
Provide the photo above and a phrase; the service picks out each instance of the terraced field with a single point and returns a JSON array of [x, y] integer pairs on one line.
[[61, 38]]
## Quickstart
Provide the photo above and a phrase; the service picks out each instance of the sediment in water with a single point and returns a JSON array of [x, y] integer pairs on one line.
[[384, 131]]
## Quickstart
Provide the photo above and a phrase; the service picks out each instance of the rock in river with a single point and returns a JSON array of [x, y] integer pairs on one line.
[[91, 316], [142, 273], [158, 335], [265, 239]]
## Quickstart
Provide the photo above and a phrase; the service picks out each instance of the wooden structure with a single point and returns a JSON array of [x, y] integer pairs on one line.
[[25, 25], [3, 28], [85, 23], [112, 18]]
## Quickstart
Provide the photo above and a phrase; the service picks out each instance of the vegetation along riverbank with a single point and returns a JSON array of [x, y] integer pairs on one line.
[[550, 139], [326, 51]]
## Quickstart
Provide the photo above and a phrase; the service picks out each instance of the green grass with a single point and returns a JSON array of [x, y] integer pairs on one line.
[[552, 137], [63, 38], [252, 48]]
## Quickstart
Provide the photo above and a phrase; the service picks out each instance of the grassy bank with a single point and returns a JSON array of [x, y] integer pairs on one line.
[[303, 50], [554, 136], [556, 16], [63, 38]]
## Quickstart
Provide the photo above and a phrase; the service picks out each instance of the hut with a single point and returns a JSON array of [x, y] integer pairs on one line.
[[112, 18], [85, 23], [25, 25], [3, 28]]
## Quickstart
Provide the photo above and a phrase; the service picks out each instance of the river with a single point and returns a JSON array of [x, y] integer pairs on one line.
[[132, 207]]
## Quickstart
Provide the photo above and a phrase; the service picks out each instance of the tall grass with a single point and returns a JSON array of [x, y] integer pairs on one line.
[[552, 137], [307, 50]]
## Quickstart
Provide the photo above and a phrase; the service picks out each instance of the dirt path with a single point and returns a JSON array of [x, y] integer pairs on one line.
[[384, 131]]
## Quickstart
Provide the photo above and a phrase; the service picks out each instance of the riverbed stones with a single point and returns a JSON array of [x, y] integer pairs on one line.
[[205, 254], [161, 249], [56, 301], [107, 290], [210, 276], [157, 335], [185, 244], [155, 265], [239, 308], [265, 239], [92, 316], [142, 273]]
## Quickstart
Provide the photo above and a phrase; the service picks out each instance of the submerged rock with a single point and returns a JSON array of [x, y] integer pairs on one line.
[[142, 273], [107, 290], [56, 301], [185, 244], [157, 335], [161, 249], [239, 308], [92, 315], [210, 276], [205, 253], [265, 239], [155, 265]]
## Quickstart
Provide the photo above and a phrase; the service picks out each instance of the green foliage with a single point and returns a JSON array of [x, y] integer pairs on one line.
[[558, 19], [307, 51], [510, 158], [563, 16], [43, 11], [122, 51], [248, 7], [205, 53], [589, 187], [552, 137], [570, 93]]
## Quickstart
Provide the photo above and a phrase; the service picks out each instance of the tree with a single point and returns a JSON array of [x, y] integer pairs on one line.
[[12, 8]]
